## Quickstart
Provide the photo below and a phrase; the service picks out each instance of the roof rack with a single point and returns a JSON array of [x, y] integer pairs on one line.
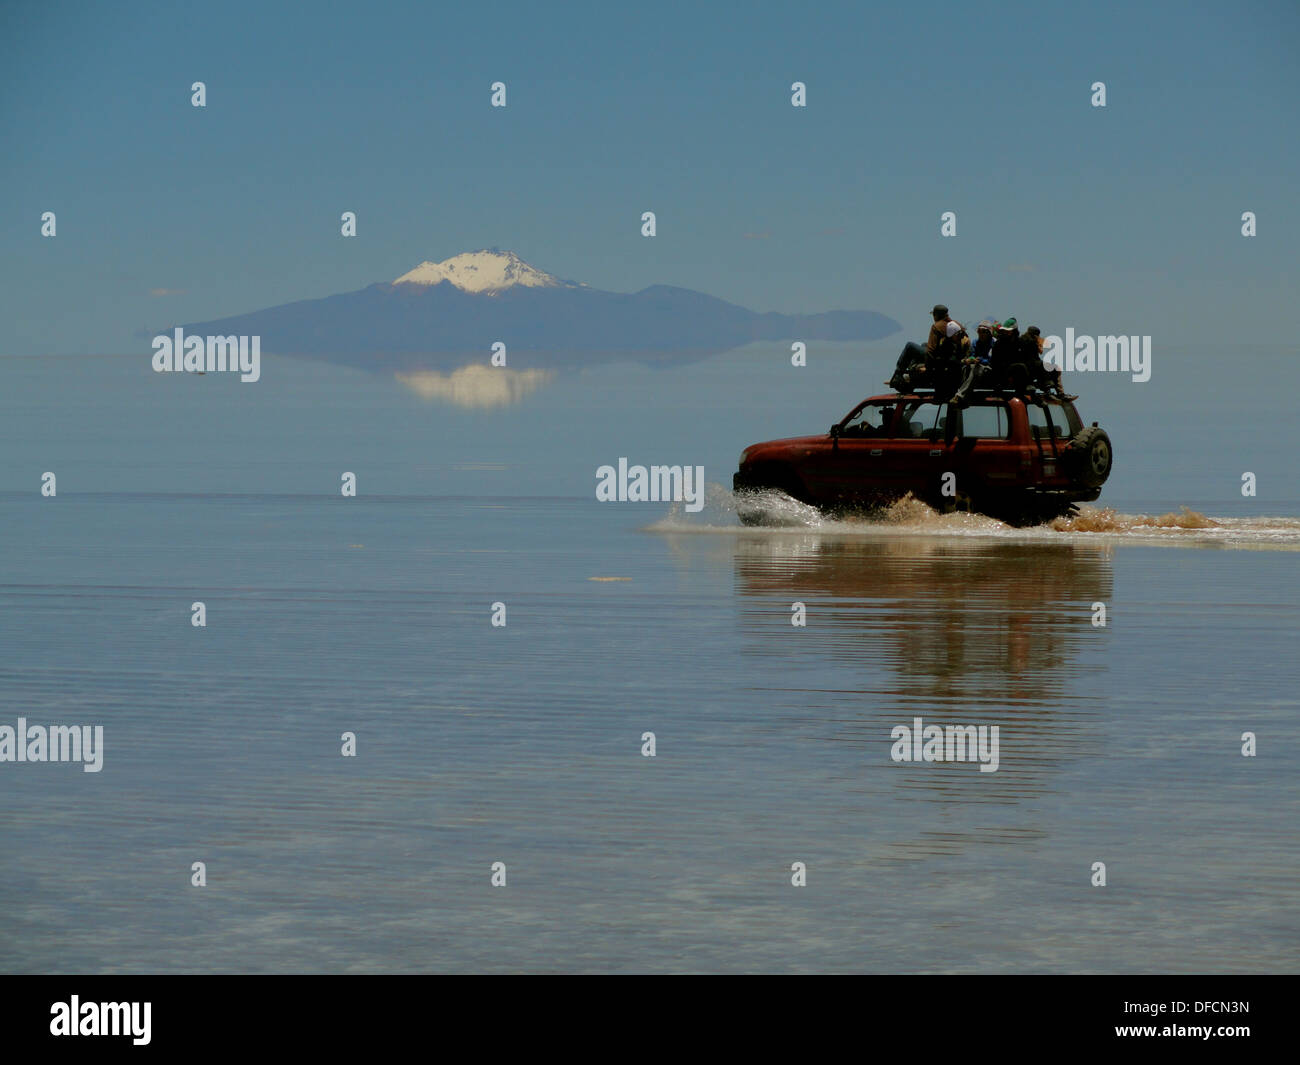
[[1001, 393]]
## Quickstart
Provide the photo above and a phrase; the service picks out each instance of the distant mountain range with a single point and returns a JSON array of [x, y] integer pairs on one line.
[[443, 315]]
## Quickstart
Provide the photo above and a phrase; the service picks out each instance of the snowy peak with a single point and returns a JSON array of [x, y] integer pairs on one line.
[[480, 271]]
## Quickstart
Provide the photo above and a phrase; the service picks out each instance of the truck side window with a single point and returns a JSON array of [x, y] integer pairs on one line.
[[988, 422], [922, 420], [1038, 423], [1072, 421]]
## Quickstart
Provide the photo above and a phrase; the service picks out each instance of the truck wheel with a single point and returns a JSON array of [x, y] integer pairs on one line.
[[783, 480], [1091, 456], [777, 478]]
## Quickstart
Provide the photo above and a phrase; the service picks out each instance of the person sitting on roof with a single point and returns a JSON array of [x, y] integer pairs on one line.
[[975, 365], [1009, 370], [912, 368], [945, 366], [1048, 378], [1031, 357]]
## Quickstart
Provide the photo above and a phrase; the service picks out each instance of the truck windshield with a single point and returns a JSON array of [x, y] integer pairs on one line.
[[871, 420]]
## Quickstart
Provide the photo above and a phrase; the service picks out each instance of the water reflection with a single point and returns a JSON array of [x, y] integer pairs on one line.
[[476, 387], [951, 630]]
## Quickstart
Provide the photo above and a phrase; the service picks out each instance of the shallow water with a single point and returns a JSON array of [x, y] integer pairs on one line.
[[521, 744]]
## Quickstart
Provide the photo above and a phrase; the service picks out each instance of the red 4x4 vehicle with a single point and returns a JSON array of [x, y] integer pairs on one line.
[[1022, 461]]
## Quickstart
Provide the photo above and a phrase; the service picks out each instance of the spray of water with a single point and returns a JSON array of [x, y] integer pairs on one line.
[[1091, 519], [771, 509]]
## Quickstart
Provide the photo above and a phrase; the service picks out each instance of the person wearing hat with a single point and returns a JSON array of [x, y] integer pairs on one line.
[[983, 349], [911, 367], [945, 364], [975, 364], [939, 330]]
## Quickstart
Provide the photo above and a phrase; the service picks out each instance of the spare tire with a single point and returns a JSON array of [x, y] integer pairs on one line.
[[1090, 455]]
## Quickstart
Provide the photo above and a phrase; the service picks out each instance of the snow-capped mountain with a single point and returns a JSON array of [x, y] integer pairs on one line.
[[444, 315], [488, 270]]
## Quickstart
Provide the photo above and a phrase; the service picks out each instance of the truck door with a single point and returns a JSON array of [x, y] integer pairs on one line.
[[985, 457], [1048, 433], [853, 467], [919, 454]]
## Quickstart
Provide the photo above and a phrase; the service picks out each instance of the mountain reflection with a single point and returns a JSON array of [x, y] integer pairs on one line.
[[476, 387]]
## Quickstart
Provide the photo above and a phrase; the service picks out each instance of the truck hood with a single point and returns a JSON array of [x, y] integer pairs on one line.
[[781, 448]]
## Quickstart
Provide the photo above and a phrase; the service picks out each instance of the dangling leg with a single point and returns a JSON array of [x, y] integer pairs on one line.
[[1052, 383], [974, 372], [913, 355]]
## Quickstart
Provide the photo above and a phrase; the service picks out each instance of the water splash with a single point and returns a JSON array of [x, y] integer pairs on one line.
[[774, 512], [1092, 519]]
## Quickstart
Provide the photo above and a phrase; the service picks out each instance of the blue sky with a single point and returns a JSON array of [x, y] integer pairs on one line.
[[1123, 219]]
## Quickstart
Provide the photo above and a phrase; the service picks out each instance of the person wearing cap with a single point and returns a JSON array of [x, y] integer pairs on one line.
[[911, 366], [939, 330], [975, 364], [983, 350], [945, 363]]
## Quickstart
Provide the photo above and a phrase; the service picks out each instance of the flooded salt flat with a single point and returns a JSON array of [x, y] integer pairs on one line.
[[522, 744]]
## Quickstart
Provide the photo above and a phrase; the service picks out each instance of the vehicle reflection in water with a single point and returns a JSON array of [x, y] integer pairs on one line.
[[960, 631]]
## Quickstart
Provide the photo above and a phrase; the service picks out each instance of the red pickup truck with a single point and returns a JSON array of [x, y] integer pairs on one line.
[[1021, 461]]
